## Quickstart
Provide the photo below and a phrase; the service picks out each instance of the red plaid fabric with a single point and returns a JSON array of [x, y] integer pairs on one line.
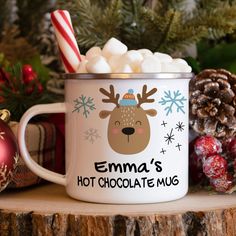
[[41, 140]]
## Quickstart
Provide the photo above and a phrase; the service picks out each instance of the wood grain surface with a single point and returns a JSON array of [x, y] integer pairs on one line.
[[47, 210]]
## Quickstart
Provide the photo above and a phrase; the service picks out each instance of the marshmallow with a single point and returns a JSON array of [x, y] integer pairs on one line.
[[182, 65], [115, 58], [163, 57], [185, 68], [188, 69], [113, 47], [125, 68], [98, 64], [170, 67], [114, 62], [145, 52], [82, 67], [180, 61], [150, 64], [92, 52], [133, 58]]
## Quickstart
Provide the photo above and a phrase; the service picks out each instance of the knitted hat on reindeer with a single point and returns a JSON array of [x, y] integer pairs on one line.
[[128, 99]]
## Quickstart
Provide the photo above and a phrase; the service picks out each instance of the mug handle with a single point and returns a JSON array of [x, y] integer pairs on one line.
[[31, 164]]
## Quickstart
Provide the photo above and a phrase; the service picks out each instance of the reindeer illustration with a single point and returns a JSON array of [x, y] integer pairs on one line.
[[128, 128]]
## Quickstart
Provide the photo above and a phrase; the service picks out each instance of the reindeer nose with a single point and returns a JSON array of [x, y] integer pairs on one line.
[[128, 130]]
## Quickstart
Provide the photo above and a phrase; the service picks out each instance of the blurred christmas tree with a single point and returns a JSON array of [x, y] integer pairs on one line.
[[157, 25]]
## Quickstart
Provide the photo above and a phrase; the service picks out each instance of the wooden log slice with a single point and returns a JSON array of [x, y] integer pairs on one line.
[[47, 210]]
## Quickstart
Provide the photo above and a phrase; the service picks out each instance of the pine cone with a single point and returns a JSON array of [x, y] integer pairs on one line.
[[212, 103]]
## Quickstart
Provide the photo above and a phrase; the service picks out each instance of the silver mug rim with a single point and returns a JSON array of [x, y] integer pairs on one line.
[[122, 76]]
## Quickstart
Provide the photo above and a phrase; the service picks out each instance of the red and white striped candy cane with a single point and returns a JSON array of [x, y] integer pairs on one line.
[[68, 47]]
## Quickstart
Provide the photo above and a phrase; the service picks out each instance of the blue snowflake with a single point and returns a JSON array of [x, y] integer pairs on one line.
[[85, 104], [173, 100]]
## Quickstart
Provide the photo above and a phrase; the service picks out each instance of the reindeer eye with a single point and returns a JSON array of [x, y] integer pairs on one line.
[[138, 122], [117, 123]]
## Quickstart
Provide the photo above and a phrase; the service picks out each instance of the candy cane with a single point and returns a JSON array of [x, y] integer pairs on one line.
[[68, 47]]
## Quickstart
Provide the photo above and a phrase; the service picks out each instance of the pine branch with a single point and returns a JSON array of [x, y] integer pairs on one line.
[[96, 28], [163, 26], [71, 6], [208, 5], [101, 3], [162, 6], [219, 26], [132, 27], [167, 31], [177, 4], [177, 29]]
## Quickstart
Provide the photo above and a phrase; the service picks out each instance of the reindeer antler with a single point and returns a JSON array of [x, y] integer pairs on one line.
[[112, 98], [144, 98]]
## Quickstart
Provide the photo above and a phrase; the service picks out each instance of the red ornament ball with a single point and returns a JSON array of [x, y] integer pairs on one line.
[[8, 154]]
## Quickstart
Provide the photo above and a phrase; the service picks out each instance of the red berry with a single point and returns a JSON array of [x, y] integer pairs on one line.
[[27, 70], [207, 146], [191, 145], [28, 79], [222, 184], [28, 74], [214, 166], [4, 76], [39, 87], [195, 160], [232, 147], [29, 89], [195, 168]]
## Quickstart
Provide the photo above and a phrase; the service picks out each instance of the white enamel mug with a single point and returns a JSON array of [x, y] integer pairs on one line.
[[126, 137]]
